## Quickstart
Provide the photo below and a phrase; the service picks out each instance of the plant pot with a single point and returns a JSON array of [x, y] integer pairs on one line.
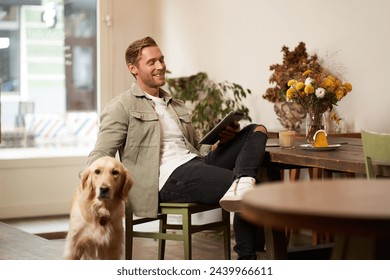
[[290, 114]]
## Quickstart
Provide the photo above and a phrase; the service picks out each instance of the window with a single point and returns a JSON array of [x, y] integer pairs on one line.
[[48, 73]]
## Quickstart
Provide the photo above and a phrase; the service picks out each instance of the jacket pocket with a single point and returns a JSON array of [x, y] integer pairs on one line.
[[143, 129], [144, 116], [185, 118]]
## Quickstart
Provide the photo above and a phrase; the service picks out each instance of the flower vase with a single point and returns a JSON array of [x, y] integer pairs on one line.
[[290, 114], [315, 121]]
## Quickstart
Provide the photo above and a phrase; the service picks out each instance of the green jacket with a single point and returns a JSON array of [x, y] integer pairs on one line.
[[129, 125]]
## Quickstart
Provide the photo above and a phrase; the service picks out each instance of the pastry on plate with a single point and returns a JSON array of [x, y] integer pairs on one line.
[[320, 139]]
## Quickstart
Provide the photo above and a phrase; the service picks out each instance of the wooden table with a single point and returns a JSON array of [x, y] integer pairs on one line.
[[356, 210], [348, 158]]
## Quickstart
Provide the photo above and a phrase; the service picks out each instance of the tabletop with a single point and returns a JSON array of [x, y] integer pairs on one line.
[[345, 206], [348, 158]]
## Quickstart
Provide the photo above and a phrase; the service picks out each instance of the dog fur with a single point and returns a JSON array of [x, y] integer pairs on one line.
[[97, 211]]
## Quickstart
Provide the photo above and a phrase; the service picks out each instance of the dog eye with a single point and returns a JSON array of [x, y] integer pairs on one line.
[[115, 172], [97, 171]]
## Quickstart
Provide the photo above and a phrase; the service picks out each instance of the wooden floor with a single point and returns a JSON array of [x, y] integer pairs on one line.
[[16, 243], [206, 246]]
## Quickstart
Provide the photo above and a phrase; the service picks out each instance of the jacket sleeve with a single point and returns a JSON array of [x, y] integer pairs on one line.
[[112, 131]]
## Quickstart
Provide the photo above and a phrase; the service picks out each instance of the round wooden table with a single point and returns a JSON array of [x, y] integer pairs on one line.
[[345, 207]]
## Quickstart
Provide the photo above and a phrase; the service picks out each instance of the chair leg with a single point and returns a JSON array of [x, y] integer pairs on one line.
[[161, 241], [163, 235], [129, 237], [294, 174], [315, 173], [276, 244], [226, 234], [186, 221]]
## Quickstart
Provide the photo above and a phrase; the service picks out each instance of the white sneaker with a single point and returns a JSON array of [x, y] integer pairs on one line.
[[232, 198]]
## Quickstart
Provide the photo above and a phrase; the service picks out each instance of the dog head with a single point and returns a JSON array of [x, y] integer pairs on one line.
[[106, 179]]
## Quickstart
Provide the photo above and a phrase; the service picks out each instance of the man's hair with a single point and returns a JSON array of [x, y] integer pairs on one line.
[[133, 51]]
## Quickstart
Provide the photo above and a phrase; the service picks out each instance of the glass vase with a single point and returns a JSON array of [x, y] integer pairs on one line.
[[315, 121]]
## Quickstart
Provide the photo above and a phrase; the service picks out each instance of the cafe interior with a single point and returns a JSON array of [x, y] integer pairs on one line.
[[324, 188]]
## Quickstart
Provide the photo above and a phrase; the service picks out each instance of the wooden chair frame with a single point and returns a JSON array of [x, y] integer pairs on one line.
[[376, 147], [187, 228]]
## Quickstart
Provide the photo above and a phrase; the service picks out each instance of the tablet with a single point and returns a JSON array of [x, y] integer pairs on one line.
[[213, 136]]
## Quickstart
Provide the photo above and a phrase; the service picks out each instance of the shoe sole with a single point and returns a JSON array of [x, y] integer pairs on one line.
[[230, 205]]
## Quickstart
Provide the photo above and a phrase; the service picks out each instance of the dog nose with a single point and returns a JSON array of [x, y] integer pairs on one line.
[[103, 192]]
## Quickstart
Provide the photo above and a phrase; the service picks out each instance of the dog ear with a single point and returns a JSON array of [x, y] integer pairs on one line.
[[85, 180], [127, 185]]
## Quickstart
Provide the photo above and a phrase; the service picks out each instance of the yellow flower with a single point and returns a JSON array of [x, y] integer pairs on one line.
[[309, 89], [339, 94], [317, 90], [290, 93], [348, 86], [299, 86], [334, 117], [327, 83], [291, 83]]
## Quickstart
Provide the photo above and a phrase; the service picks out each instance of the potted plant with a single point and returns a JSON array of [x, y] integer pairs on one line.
[[290, 114], [209, 101]]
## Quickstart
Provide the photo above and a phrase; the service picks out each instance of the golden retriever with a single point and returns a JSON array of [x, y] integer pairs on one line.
[[97, 211]]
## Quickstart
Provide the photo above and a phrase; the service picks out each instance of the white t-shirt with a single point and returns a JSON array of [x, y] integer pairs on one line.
[[173, 149]]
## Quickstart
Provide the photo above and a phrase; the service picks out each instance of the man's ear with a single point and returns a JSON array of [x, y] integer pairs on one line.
[[133, 69]]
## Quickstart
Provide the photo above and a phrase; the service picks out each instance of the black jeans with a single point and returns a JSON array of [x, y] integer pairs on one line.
[[206, 180]]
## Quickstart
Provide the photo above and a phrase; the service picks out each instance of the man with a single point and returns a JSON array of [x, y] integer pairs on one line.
[[157, 143]]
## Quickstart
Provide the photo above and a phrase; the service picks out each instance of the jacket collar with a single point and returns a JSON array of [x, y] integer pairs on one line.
[[137, 91]]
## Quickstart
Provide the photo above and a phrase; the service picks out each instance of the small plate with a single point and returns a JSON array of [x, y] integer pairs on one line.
[[310, 147]]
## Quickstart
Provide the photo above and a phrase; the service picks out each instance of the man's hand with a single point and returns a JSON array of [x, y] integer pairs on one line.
[[228, 132]]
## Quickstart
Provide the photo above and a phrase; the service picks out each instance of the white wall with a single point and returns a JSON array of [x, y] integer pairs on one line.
[[128, 21], [38, 186], [237, 40]]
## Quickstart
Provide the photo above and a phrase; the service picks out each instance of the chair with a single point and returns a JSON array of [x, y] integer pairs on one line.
[[376, 147], [187, 228]]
